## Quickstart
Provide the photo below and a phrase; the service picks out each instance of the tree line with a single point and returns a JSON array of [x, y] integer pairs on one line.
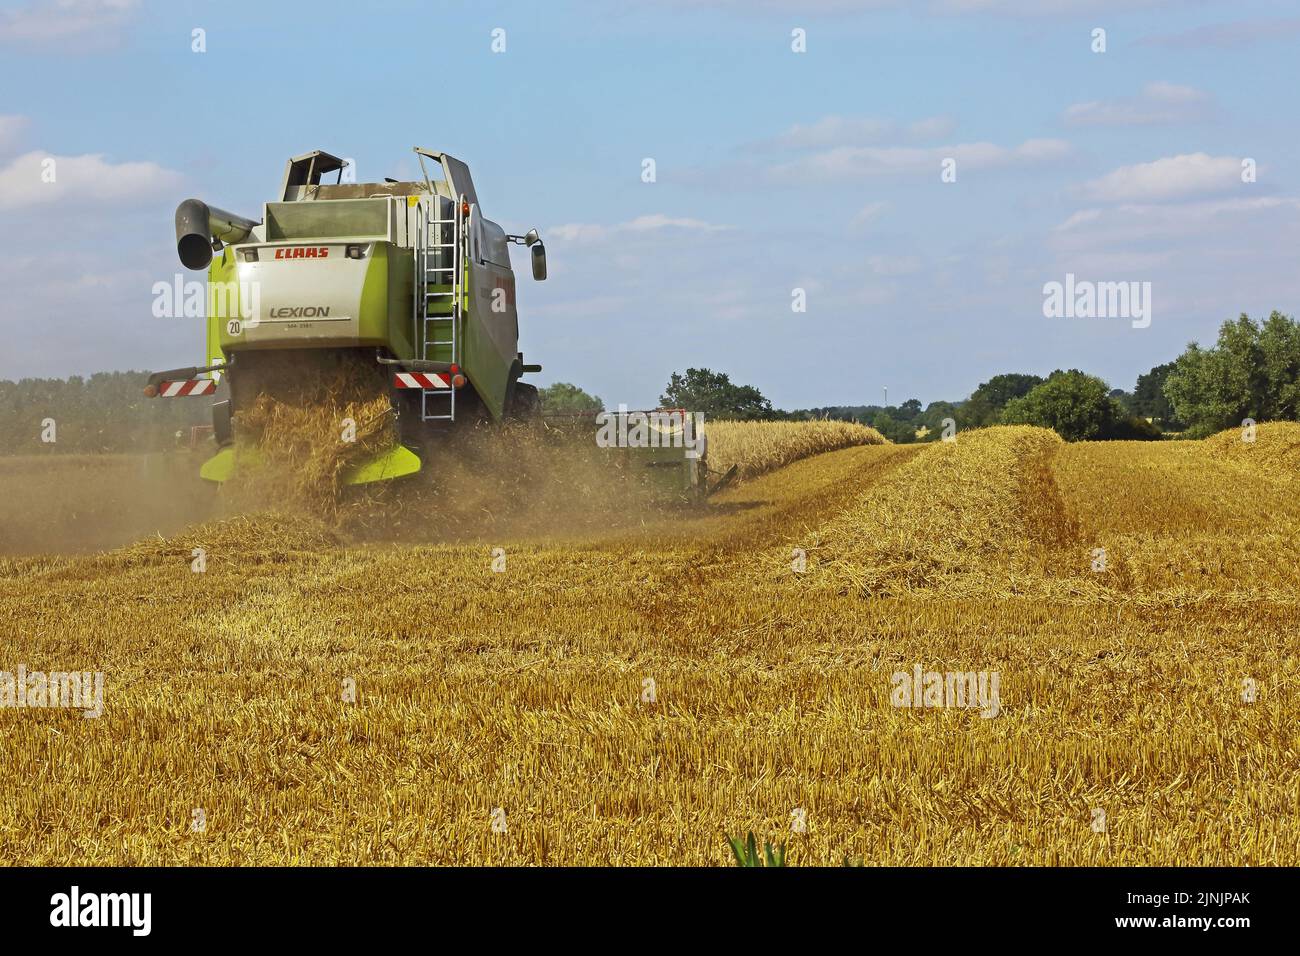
[[1251, 372], [106, 412]]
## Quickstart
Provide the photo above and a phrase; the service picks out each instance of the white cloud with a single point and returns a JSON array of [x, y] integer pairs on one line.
[[594, 232], [23, 182], [1159, 104], [931, 128], [1080, 218], [870, 212], [1133, 222], [10, 128], [1211, 258], [1173, 177], [67, 25], [831, 131], [811, 7], [1238, 33], [935, 7], [1042, 7], [96, 316], [894, 265], [849, 162]]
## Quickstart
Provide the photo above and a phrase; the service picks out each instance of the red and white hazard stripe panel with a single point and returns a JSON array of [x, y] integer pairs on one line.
[[193, 386], [421, 380]]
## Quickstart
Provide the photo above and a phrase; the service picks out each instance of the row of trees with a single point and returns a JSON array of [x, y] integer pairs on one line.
[[1076, 405], [1252, 371], [699, 389], [106, 412]]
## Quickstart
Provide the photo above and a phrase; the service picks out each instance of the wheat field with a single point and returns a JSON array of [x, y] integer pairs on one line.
[[628, 689], [759, 447]]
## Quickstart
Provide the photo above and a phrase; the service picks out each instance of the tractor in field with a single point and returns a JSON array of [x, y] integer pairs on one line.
[[407, 280], [404, 284]]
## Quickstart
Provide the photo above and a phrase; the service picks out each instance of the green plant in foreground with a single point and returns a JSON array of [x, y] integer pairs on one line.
[[746, 852]]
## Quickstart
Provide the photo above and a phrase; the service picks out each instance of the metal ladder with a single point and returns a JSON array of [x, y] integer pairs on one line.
[[434, 328]]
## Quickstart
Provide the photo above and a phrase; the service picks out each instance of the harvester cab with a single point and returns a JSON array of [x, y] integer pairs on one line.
[[407, 281]]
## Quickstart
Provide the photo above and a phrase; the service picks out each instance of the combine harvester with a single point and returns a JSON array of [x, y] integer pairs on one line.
[[405, 280]]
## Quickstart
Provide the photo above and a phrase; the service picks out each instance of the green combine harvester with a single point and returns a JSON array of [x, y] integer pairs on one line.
[[406, 281]]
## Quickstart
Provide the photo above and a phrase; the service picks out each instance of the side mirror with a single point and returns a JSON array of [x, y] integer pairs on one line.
[[539, 261], [531, 237]]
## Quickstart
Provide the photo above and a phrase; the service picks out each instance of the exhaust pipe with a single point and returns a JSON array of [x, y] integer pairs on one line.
[[198, 225]]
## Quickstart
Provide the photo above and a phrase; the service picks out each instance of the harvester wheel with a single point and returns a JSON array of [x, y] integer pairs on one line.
[[222, 423], [523, 402]]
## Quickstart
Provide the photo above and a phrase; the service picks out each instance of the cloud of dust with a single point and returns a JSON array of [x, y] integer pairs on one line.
[[534, 479], [301, 433], [298, 432]]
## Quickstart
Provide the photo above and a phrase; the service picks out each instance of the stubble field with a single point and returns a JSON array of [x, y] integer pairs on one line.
[[633, 683]]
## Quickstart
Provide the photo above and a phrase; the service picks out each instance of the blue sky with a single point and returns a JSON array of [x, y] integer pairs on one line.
[[775, 170]]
